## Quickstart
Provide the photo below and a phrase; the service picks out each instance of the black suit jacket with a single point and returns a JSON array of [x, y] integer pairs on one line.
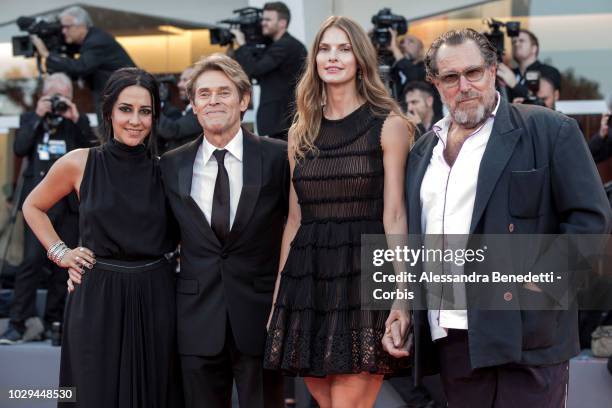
[[547, 150], [100, 56], [601, 148], [176, 132], [277, 70], [234, 280]]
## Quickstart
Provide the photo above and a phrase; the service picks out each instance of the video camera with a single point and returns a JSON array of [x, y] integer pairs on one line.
[[383, 21], [50, 32], [496, 36], [532, 80], [248, 21]]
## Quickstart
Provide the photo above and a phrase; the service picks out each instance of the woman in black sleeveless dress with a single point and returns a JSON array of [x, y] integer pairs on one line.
[[347, 181], [118, 346]]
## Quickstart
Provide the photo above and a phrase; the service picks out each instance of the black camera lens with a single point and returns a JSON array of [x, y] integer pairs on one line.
[[58, 105]]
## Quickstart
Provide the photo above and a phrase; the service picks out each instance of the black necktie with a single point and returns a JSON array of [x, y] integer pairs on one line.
[[220, 216]]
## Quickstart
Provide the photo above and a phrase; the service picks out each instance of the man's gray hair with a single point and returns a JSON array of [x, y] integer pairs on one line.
[[80, 15], [458, 37], [58, 78]]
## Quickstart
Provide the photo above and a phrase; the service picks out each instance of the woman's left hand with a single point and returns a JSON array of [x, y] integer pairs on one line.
[[396, 333]]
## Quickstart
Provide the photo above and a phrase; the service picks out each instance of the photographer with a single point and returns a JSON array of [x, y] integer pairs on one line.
[[277, 69], [409, 53], [525, 49], [100, 53], [601, 142], [176, 132], [546, 95], [53, 129], [409, 66]]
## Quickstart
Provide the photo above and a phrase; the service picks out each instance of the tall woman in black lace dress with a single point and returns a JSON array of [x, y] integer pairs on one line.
[[118, 343], [347, 148]]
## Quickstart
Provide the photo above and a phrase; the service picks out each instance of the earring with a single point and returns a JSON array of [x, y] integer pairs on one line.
[[359, 75]]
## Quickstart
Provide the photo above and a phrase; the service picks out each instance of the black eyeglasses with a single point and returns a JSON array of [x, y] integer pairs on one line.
[[472, 74]]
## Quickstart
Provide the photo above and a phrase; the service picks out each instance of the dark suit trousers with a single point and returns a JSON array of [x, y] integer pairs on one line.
[[30, 274], [208, 381], [503, 386]]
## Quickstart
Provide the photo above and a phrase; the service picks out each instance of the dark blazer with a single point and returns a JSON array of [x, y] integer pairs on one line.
[[235, 280], [176, 132], [535, 150], [601, 148], [100, 56], [277, 70]]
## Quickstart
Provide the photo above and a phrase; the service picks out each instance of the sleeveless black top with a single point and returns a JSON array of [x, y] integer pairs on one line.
[[123, 211], [343, 180]]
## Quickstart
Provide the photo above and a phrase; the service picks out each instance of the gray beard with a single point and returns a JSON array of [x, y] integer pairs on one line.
[[473, 119], [469, 120]]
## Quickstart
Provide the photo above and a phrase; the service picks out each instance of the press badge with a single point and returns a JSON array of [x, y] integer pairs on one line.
[[43, 152], [57, 148]]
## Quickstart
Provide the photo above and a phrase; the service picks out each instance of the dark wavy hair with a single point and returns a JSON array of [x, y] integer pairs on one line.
[[119, 80]]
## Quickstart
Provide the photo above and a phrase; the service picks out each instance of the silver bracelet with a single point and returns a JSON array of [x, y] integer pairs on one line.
[[53, 247], [60, 256], [55, 253], [58, 253]]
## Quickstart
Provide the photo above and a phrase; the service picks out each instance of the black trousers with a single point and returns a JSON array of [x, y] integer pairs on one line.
[[503, 386], [208, 381], [30, 274]]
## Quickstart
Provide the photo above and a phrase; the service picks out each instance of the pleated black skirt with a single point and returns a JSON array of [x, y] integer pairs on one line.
[[118, 343]]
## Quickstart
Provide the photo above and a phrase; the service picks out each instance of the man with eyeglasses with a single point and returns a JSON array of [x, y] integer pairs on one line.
[[100, 54], [490, 167]]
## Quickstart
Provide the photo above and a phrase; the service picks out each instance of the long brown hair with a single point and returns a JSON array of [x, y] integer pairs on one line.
[[310, 91]]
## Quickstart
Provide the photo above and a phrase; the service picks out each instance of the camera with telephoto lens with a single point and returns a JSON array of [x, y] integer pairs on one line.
[[496, 35], [383, 21], [248, 21], [50, 32]]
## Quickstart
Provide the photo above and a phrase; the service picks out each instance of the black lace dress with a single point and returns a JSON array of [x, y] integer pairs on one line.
[[318, 327]]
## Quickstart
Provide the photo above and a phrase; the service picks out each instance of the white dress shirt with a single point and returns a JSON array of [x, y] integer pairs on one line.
[[205, 170], [447, 199]]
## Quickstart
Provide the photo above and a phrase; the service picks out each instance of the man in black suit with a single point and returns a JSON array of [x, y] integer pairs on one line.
[[491, 167], [43, 137], [229, 192], [100, 54], [277, 70]]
